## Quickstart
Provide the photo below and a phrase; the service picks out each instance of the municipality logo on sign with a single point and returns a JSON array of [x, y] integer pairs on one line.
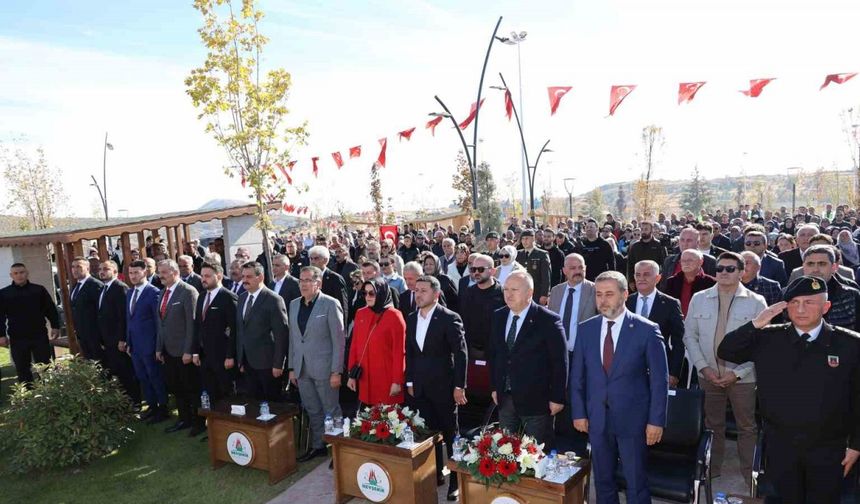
[[239, 448], [373, 482]]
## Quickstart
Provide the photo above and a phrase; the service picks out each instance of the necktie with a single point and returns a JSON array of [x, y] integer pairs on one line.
[[134, 300], [644, 310], [568, 311], [512, 333], [608, 347], [164, 303], [102, 295], [75, 291], [206, 304], [248, 306]]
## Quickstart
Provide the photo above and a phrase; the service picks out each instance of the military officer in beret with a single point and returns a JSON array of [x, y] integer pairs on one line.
[[536, 262], [809, 392]]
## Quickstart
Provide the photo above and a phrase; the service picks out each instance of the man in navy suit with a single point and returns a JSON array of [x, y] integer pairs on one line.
[[528, 361], [618, 385], [140, 338]]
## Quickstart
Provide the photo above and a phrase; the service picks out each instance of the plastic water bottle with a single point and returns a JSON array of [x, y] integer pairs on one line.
[[408, 437], [457, 448], [346, 427], [329, 424], [720, 498], [551, 465], [204, 400], [264, 408]]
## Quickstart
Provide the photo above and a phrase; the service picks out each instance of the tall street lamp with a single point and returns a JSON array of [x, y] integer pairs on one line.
[[568, 186], [792, 175], [447, 114], [516, 39], [103, 188]]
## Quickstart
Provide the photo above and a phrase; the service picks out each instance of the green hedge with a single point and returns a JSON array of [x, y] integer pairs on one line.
[[71, 416]]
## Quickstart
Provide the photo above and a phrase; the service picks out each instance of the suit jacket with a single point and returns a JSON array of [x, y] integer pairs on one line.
[[666, 313], [215, 331], [334, 286], [774, 269], [228, 284], [112, 315], [792, 259], [709, 266], [318, 351], [845, 271], [463, 290], [176, 328], [407, 303], [142, 324], [155, 281], [289, 289], [440, 366], [195, 281], [537, 363], [85, 308], [634, 392], [587, 304], [263, 337], [539, 267]]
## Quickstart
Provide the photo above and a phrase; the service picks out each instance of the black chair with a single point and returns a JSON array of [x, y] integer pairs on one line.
[[679, 466]]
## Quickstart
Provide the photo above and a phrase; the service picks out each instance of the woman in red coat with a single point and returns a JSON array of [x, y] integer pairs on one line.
[[378, 346]]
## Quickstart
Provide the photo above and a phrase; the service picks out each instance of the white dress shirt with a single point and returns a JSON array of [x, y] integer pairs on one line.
[[104, 289], [574, 313], [249, 302], [279, 284], [616, 332], [421, 326], [813, 334], [520, 320], [641, 299]]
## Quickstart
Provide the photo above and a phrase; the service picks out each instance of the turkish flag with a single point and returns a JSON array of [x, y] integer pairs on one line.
[[286, 175], [472, 114], [407, 134], [617, 95], [756, 86], [509, 104], [555, 95], [687, 91], [432, 123], [338, 160], [388, 231], [289, 208], [354, 152], [837, 78], [381, 159], [316, 168]]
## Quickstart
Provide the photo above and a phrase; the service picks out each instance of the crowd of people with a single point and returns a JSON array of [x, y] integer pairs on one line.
[[581, 326]]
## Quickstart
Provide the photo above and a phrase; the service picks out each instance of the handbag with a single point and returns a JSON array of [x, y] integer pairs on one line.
[[356, 370]]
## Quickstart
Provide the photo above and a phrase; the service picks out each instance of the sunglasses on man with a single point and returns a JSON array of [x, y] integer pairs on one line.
[[727, 269], [477, 269]]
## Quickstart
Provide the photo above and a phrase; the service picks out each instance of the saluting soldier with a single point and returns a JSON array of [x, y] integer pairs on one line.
[[808, 375], [536, 261]]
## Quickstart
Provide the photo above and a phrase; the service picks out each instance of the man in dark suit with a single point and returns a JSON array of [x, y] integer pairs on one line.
[[411, 272], [343, 266], [283, 283], [663, 310], [536, 262], [618, 388], [688, 238], [436, 359], [152, 273], [793, 258], [84, 297], [142, 335], [175, 346], [262, 338], [112, 329], [234, 283], [215, 333], [332, 283], [528, 362], [187, 274]]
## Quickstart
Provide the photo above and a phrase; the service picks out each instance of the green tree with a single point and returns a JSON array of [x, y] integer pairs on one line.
[[697, 194], [645, 191], [462, 183], [376, 193], [489, 207], [243, 104], [594, 203], [33, 187]]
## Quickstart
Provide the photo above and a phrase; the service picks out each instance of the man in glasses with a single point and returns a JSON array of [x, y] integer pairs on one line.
[[713, 313], [332, 283], [772, 267]]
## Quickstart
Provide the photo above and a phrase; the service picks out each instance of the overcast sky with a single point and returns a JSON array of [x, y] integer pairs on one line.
[[363, 70]]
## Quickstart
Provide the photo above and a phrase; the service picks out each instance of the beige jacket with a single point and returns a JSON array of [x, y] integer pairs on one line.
[[701, 324]]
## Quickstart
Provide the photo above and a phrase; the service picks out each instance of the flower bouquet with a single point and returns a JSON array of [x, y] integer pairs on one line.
[[496, 456], [385, 423]]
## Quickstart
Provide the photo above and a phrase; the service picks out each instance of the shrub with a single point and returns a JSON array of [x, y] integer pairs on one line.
[[71, 416]]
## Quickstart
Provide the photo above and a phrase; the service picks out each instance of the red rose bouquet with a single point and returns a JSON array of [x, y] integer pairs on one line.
[[385, 423], [496, 456]]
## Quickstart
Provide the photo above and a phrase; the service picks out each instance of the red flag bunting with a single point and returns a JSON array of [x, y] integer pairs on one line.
[[687, 91], [472, 113], [316, 168], [407, 134], [244, 181], [555, 95], [289, 208], [283, 170], [617, 95], [381, 159], [837, 78], [291, 164], [432, 123], [756, 87], [354, 152], [338, 160], [388, 232], [509, 104]]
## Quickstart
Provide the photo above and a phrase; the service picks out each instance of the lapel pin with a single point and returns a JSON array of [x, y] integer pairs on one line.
[[833, 361]]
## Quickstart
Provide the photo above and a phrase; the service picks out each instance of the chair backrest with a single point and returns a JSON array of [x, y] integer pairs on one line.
[[684, 418]]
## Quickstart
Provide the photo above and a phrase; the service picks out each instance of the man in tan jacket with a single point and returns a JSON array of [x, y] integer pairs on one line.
[[713, 313]]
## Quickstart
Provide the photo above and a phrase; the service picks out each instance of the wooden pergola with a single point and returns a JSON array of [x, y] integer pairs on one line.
[[67, 242]]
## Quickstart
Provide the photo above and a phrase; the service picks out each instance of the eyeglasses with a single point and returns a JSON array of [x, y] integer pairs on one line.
[[505, 256], [315, 258], [477, 269], [368, 294], [752, 243], [383, 264], [727, 269]]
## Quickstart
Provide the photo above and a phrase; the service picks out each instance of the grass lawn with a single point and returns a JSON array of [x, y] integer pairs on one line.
[[152, 468]]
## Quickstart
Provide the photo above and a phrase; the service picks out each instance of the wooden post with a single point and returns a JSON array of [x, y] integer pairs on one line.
[[125, 244], [171, 244], [180, 241], [141, 244], [61, 252], [186, 230], [76, 250], [104, 255]]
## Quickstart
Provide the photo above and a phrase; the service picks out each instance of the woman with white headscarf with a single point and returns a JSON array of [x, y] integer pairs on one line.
[[846, 244], [509, 264]]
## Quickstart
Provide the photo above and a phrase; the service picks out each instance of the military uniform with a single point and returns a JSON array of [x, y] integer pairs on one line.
[[538, 266], [809, 397]]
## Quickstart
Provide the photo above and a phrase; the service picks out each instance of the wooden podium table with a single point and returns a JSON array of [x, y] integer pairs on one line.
[[246, 441], [384, 473], [527, 490]]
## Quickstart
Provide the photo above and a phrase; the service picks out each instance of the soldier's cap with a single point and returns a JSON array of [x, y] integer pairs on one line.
[[804, 286], [420, 235], [527, 232], [492, 234]]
